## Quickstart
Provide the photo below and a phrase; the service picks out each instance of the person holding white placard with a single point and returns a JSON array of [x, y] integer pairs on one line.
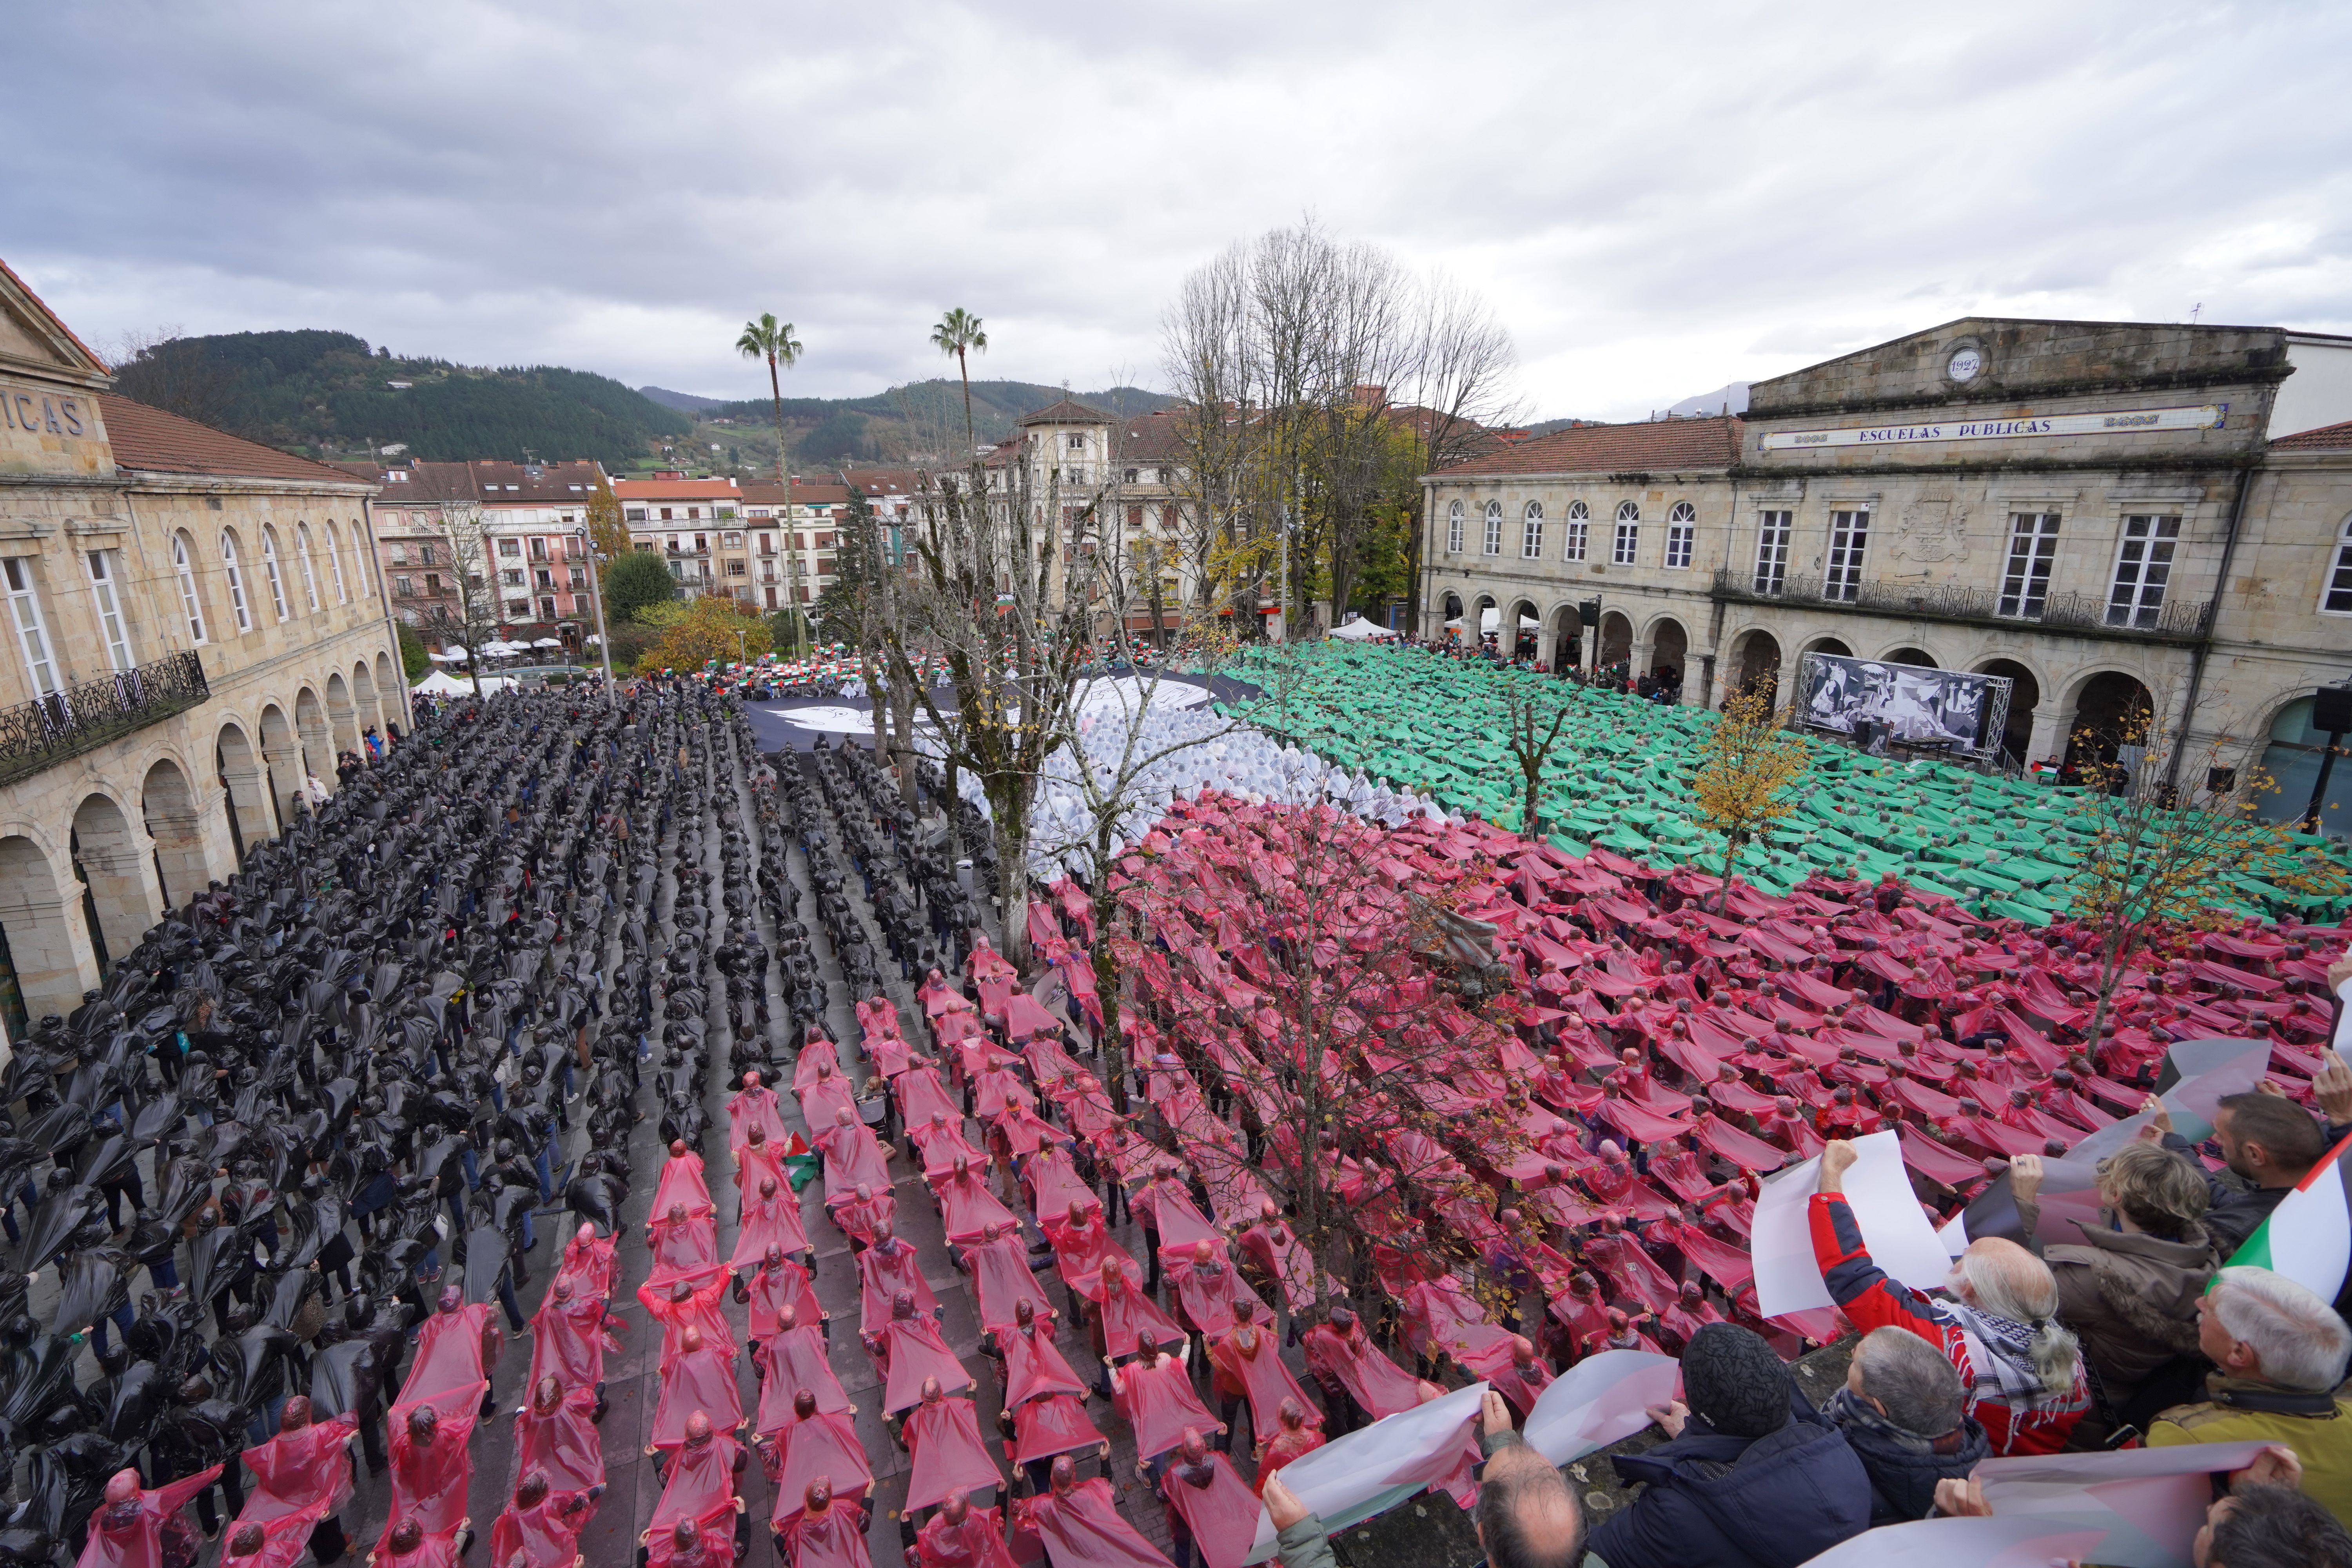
[[2023, 1370]]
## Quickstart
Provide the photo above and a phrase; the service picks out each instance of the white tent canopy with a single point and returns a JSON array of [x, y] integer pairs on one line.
[[548, 642], [453, 654], [1358, 629]]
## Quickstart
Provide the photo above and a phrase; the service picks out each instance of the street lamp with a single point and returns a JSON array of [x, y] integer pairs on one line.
[[596, 597]]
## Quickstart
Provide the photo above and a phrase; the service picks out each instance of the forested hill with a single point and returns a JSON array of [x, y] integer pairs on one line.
[[328, 394], [920, 416]]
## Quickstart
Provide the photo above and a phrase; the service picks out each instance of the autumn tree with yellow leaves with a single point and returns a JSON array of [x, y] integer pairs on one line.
[[1748, 773], [711, 628]]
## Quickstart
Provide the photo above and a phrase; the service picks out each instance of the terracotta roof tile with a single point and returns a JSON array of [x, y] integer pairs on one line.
[[2327, 437], [1712, 442], [1065, 411], [156, 442]]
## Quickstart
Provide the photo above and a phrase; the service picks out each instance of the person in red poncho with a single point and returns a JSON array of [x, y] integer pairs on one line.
[[941, 1436], [556, 1434], [1358, 1383], [431, 1463], [698, 1381], [1212, 1512], [408, 1544], [278, 1544], [1154, 1393], [304, 1474], [1247, 1365], [1294, 1437], [1080, 1525], [568, 1337], [701, 1486], [962, 1536], [823, 1534], [136, 1529], [2022, 1373], [541, 1528]]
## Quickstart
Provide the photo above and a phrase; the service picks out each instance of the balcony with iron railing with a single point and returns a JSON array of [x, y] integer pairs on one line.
[[2073, 615], [78, 719]]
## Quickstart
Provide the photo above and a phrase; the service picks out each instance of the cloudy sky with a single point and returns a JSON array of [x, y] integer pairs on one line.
[[1655, 199]]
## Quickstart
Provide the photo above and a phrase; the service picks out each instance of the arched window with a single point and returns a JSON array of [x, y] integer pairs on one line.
[[270, 570], [302, 559], [1531, 532], [2338, 600], [1494, 528], [360, 558], [335, 564], [183, 567], [1453, 529], [1579, 532], [1629, 535], [235, 574], [1681, 531]]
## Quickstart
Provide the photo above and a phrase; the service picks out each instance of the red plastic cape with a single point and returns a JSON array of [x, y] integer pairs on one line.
[[717, 1528], [1001, 1280], [564, 1443], [748, 1108], [944, 1439], [1748, 1153], [1377, 1384], [880, 1277], [921, 1096], [1261, 1376], [773, 1222], [283, 1542], [1729, 1265], [822, 1446], [1035, 1366], [570, 1338], [543, 1536], [305, 1474], [430, 1486], [1170, 1211], [438, 1550], [1222, 1518], [966, 1207], [915, 1352], [140, 1542], [977, 1542], [1128, 1313], [1158, 1404], [795, 1360], [683, 1249], [681, 1182], [772, 1289], [588, 1262], [699, 1310], [863, 1221], [448, 1352], [1085, 1530], [852, 1156], [1079, 1252], [753, 1166], [701, 1379], [834, 1539], [701, 1485], [1055, 1425]]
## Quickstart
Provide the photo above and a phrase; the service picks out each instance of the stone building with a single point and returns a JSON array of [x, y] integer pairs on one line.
[[696, 526], [2114, 516], [792, 530], [194, 626]]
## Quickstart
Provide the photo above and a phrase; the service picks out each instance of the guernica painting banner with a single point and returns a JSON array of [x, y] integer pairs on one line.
[[1879, 703]]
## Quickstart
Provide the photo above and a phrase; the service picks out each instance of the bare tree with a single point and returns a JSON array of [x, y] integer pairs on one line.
[[464, 530]]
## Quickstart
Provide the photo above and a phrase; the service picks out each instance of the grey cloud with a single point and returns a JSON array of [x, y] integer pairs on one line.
[[1656, 199]]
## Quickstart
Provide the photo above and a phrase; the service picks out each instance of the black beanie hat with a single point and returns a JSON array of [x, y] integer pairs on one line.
[[1735, 1383]]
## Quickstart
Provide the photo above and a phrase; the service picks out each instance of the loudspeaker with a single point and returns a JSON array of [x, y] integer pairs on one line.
[[1588, 612], [2331, 709]]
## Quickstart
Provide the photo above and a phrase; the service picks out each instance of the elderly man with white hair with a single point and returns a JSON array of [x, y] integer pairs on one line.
[[2279, 1353]]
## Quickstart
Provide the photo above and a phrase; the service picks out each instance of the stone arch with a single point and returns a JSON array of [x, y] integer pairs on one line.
[[317, 746], [1474, 626], [342, 716], [244, 790], [363, 698], [1616, 639], [2017, 737], [1519, 641], [48, 960], [1834, 645], [1669, 644], [1755, 664], [1567, 637], [2108, 711], [1911, 653], [390, 709], [167, 806], [1452, 609], [281, 761], [111, 863]]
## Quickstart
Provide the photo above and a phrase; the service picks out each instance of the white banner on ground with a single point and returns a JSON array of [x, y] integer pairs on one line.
[[1400, 1454], [1599, 1400], [1894, 1229], [2145, 1503]]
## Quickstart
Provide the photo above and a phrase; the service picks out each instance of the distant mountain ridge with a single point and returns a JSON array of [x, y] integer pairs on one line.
[[684, 402]]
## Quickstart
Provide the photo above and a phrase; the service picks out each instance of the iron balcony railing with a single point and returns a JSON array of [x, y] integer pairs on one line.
[[2174, 620], [65, 723]]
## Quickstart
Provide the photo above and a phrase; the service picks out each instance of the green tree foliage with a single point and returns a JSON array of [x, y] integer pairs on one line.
[[325, 390], [634, 582], [413, 658]]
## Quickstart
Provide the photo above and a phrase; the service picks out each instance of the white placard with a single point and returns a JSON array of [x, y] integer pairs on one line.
[[1893, 1228], [1409, 1449], [1599, 1400]]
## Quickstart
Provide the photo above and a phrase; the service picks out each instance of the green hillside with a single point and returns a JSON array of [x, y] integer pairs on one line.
[[327, 394], [920, 422]]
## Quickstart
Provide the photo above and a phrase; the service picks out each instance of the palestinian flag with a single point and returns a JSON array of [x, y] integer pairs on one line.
[[801, 1165], [2308, 1237]]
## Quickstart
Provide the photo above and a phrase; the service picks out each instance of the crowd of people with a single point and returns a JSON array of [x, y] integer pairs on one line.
[[1389, 1107]]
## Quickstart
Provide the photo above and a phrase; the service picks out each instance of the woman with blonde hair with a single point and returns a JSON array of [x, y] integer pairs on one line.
[[2129, 1288]]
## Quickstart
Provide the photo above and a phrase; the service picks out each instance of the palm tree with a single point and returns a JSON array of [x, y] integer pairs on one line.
[[773, 341], [957, 332]]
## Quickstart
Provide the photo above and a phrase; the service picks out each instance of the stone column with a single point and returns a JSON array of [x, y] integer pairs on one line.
[[47, 942], [2053, 722]]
